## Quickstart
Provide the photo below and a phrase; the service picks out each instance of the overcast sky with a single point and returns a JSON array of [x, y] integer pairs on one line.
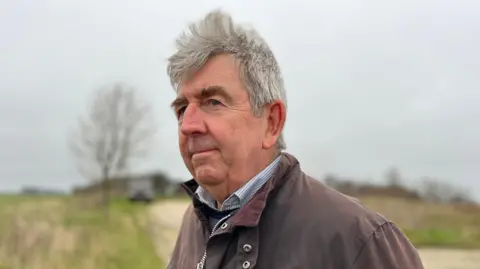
[[370, 85]]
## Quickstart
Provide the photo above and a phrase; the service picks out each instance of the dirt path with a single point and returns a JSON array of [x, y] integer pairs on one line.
[[450, 259], [166, 218]]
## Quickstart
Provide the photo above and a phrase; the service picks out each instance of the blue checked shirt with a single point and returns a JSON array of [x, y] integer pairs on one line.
[[240, 197]]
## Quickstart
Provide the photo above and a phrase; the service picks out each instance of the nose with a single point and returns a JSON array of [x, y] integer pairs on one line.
[[192, 121]]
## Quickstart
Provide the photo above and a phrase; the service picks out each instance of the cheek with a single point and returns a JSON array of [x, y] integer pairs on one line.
[[220, 128], [239, 131], [256, 127]]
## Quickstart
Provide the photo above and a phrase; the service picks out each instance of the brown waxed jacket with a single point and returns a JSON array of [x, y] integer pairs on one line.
[[293, 222]]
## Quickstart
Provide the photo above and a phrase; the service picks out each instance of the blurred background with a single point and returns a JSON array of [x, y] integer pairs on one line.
[[383, 104]]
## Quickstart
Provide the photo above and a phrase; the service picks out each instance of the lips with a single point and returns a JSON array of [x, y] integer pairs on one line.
[[203, 151]]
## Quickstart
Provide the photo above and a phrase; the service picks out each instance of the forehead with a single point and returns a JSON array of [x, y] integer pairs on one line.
[[221, 70]]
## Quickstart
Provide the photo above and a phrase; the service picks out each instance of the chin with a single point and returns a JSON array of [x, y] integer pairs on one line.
[[207, 176]]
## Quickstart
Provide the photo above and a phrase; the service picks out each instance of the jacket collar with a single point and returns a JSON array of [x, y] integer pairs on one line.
[[249, 215]]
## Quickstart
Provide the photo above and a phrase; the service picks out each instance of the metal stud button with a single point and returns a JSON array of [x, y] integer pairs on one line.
[[247, 248], [246, 265]]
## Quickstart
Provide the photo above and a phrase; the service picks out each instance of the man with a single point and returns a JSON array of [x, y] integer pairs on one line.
[[253, 207]]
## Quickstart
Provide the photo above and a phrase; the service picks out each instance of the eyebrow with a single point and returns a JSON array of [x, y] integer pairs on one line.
[[203, 94], [179, 101]]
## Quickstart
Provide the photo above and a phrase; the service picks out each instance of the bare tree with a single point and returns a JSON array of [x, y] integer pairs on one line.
[[393, 177], [115, 132], [438, 191]]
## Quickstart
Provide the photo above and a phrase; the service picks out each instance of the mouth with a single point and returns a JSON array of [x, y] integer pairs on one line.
[[197, 153]]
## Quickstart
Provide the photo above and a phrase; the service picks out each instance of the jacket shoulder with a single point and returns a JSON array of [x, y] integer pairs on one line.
[[331, 208], [340, 222], [330, 215]]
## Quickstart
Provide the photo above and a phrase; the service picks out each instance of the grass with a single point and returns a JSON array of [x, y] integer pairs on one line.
[[431, 225], [66, 232]]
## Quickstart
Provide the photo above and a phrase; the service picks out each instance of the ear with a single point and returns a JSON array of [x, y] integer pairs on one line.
[[276, 114]]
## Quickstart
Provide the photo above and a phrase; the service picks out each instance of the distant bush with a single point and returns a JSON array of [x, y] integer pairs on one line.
[[442, 192], [430, 189]]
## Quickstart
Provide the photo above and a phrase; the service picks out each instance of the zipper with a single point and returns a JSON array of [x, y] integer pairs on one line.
[[201, 264]]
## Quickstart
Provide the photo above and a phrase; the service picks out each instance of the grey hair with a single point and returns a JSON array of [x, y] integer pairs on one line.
[[215, 34]]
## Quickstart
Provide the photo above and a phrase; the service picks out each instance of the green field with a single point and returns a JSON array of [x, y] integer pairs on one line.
[[431, 225], [74, 233], [66, 232]]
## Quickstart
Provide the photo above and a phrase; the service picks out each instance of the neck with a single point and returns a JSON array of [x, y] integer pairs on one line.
[[240, 177]]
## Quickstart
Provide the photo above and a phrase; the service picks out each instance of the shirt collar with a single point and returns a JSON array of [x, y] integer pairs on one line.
[[241, 196]]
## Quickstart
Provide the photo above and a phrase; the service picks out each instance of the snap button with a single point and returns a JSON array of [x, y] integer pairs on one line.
[[247, 248], [224, 226], [246, 265]]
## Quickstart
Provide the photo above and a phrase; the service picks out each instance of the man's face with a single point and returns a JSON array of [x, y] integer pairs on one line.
[[219, 137]]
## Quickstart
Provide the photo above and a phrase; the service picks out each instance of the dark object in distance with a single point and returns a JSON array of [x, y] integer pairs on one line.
[[140, 197]]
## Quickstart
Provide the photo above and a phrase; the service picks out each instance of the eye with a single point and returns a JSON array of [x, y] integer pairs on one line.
[[213, 102], [180, 111]]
